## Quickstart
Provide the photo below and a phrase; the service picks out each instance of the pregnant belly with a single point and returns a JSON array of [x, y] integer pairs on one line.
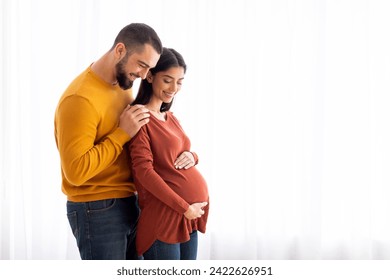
[[189, 184]]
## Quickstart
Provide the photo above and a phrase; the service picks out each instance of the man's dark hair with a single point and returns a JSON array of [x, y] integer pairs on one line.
[[135, 35]]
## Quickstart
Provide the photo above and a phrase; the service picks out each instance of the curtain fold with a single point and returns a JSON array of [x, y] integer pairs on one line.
[[286, 104]]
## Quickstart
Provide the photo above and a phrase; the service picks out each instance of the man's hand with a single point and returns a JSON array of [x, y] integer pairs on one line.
[[195, 210], [133, 118]]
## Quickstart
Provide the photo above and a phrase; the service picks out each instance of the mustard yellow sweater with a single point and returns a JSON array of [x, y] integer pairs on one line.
[[94, 164]]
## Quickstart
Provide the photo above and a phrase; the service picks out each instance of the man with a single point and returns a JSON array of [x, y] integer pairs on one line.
[[93, 121]]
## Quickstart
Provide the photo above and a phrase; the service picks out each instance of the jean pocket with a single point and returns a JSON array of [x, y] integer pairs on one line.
[[72, 218], [101, 205]]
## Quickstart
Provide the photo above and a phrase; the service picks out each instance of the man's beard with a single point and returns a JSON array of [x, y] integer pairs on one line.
[[123, 81]]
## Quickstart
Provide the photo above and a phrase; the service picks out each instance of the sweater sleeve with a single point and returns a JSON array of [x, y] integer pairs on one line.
[[81, 157], [145, 174]]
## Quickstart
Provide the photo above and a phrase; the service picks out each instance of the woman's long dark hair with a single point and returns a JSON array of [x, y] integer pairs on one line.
[[169, 58]]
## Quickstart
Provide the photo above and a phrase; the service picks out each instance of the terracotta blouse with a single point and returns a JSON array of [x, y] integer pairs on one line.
[[165, 192]]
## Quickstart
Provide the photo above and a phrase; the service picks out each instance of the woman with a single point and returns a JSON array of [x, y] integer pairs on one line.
[[173, 195]]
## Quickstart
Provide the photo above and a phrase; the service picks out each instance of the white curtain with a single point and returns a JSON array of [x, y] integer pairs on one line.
[[286, 102]]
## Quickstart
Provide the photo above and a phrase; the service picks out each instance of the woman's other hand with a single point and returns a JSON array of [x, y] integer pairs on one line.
[[195, 210]]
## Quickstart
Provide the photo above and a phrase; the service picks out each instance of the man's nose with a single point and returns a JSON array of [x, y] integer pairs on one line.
[[143, 73]]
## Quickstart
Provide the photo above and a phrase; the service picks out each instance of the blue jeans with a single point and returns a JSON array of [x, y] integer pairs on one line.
[[105, 229], [178, 251]]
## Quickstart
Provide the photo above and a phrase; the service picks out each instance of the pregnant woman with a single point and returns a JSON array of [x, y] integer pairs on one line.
[[172, 193]]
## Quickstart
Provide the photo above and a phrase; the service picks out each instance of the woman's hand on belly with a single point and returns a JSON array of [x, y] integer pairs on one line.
[[185, 160], [195, 210]]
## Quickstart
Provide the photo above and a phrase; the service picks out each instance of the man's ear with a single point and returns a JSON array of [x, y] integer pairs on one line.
[[149, 77], [120, 51]]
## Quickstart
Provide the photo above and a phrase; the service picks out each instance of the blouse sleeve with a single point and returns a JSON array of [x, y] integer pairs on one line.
[[144, 173], [196, 158]]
